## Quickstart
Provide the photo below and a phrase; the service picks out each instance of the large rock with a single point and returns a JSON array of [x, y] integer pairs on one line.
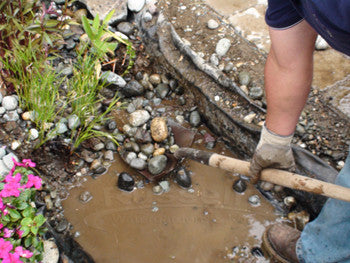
[[103, 7]]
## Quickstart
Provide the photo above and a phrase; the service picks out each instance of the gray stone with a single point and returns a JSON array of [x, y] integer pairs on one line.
[[162, 90], [2, 152], [2, 110], [130, 156], [131, 108], [133, 88], [4, 170], [222, 47], [103, 7], [70, 44], [165, 185], [138, 163], [214, 59], [11, 116], [51, 253], [254, 200], [9, 103], [110, 145], [113, 80], [147, 17], [256, 93], [73, 122], [67, 71], [155, 79], [136, 5], [7, 159], [212, 24], [195, 118], [139, 118], [125, 28], [147, 149], [244, 78], [61, 128], [157, 164]]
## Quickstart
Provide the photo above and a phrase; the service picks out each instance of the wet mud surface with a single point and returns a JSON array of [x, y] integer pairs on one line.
[[202, 224]]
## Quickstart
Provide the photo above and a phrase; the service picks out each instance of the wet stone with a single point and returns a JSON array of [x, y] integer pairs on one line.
[[157, 164], [183, 179], [133, 88], [173, 84], [139, 118], [157, 189], [125, 182], [239, 186], [113, 80], [159, 129], [85, 197], [147, 149], [73, 122], [214, 59], [165, 186], [11, 116], [212, 24], [162, 90], [210, 145], [142, 136], [138, 163], [61, 226], [155, 79], [149, 95], [222, 47], [10, 103], [254, 200], [111, 125], [257, 252], [130, 156], [110, 145]]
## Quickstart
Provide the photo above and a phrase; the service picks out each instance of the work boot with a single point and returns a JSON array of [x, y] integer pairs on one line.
[[279, 241]]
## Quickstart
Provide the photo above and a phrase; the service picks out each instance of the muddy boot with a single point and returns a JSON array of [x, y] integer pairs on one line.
[[279, 241]]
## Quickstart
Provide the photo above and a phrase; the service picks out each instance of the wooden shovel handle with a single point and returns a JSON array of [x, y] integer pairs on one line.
[[275, 176]]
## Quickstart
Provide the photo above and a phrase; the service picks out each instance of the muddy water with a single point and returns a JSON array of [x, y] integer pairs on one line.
[[201, 225]]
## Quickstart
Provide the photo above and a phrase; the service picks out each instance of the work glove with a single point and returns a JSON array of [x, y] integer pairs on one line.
[[273, 151]]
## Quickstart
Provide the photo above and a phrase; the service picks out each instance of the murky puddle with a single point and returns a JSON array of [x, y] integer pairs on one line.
[[200, 225]]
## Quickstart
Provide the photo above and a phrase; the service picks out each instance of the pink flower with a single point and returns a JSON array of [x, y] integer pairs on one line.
[[11, 189], [19, 232], [23, 253], [33, 180], [12, 258], [1, 226], [5, 247], [28, 162], [8, 232], [10, 179]]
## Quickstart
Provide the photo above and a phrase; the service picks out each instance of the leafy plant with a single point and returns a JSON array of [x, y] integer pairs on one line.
[[101, 37], [21, 227]]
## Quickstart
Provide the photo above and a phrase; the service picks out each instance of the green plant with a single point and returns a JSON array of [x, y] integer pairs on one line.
[[21, 227], [101, 37]]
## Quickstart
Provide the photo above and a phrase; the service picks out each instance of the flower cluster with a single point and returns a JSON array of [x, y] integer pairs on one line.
[[20, 226]]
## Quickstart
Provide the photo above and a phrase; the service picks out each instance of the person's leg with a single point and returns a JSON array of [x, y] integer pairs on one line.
[[288, 76], [327, 238]]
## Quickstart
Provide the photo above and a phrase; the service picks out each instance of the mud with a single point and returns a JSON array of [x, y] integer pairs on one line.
[[178, 226]]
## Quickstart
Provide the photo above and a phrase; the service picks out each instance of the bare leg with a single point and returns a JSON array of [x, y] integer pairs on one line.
[[288, 76]]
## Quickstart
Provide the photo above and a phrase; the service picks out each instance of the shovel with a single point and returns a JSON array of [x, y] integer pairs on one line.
[[275, 176]]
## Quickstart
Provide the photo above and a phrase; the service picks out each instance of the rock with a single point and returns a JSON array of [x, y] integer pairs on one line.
[[222, 47], [159, 129], [131, 108], [113, 80], [173, 148], [67, 71], [147, 149], [239, 186], [157, 164], [7, 159], [139, 118], [147, 17], [195, 118], [9, 103], [250, 117], [162, 90], [2, 110], [228, 67], [126, 28], [2, 152], [321, 44], [254, 200], [73, 122], [125, 182], [108, 155], [51, 253], [136, 5], [110, 145], [266, 186], [111, 125], [183, 179], [133, 88], [103, 7], [157, 189], [11, 116], [159, 151], [61, 226], [256, 93], [214, 59], [138, 164], [4, 170], [155, 79], [212, 24], [33, 134], [165, 186], [142, 136], [244, 78]]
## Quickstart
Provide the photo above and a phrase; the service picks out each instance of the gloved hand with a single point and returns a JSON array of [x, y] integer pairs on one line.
[[273, 151]]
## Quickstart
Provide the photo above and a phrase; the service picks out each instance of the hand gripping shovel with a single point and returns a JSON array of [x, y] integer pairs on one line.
[[275, 176]]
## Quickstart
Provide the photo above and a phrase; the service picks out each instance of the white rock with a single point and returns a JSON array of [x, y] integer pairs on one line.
[[11, 116], [249, 118], [222, 47], [212, 24], [136, 5], [321, 44], [51, 253], [9, 103], [147, 17], [7, 159], [61, 128], [139, 117], [2, 152], [15, 144], [33, 134], [2, 110], [73, 122], [4, 170]]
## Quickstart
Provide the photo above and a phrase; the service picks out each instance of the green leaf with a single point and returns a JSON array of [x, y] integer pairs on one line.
[[108, 17], [34, 230], [87, 27], [26, 222], [28, 241], [96, 22], [22, 205], [39, 220], [47, 39], [25, 230], [15, 215], [6, 218], [28, 212]]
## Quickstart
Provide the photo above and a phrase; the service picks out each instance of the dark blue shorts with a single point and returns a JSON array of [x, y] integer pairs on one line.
[[330, 18]]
